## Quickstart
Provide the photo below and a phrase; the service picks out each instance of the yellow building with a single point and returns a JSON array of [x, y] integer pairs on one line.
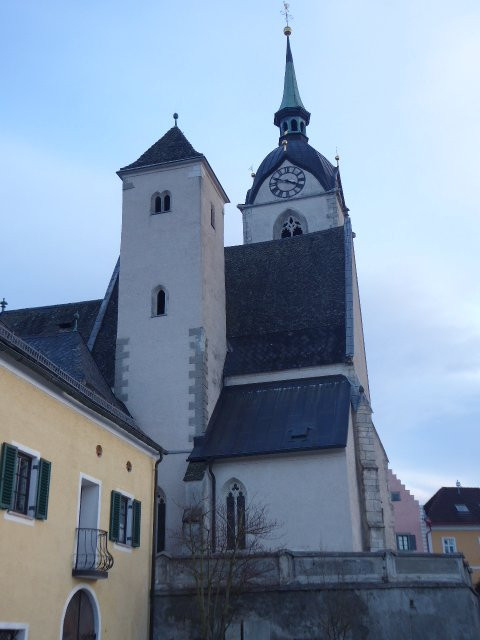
[[453, 524], [76, 503]]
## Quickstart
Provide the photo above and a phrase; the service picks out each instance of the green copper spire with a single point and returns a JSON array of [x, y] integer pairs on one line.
[[292, 118], [291, 94]]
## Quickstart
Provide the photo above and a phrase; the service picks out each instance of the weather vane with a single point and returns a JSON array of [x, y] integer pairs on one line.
[[286, 13]]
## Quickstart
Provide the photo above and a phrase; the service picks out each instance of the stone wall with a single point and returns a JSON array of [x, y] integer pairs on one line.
[[381, 595]]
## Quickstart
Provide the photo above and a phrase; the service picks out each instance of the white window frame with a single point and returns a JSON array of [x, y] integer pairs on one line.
[[29, 517], [15, 626], [448, 543]]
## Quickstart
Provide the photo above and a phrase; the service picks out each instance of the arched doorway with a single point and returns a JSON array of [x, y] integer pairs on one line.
[[80, 620]]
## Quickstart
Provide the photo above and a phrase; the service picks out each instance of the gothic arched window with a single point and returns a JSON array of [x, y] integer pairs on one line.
[[294, 125], [285, 127], [159, 301], [302, 127], [235, 504], [166, 202], [158, 204], [291, 227]]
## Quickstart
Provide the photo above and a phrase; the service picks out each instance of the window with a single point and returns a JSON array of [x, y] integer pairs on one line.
[[294, 125], [236, 538], [212, 216], [462, 508], [161, 521], [161, 202], [395, 496], [125, 517], [302, 126], [449, 545], [13, 631], [406, 542], [159, 302], [24, 482], [291, 227], [285, 127]]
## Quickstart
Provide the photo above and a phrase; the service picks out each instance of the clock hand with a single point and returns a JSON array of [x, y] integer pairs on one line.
[[287, 180]]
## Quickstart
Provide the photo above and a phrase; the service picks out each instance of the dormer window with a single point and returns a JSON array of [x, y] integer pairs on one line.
[[462, 508], [161, 202], [159, 302]]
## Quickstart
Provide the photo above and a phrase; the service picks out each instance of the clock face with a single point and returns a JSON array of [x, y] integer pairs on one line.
[[287, 182]]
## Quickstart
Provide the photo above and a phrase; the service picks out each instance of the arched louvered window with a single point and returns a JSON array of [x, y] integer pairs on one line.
[[235, 505], [285, 127], [161, 202], [302, 126], [294, 125], [291, 227]]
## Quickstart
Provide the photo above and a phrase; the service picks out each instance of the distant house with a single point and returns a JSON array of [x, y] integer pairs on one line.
[[453, 524], [408, 517]]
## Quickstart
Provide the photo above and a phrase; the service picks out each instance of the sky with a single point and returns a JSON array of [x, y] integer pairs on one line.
[[86, 87]]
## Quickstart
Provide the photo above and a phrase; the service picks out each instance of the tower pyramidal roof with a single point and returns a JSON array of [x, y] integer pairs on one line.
[[171, 147]]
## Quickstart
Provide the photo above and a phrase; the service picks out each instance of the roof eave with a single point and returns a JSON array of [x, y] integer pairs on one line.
[[125, 171]]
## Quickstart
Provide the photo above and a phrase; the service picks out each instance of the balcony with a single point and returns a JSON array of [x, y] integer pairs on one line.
[[91, 560]]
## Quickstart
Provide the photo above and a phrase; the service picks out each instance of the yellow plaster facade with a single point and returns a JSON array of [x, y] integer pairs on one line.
[[467, 541], [36, 556]]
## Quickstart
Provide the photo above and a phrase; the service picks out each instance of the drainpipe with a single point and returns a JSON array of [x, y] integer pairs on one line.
[[213, 505], [154, 549]]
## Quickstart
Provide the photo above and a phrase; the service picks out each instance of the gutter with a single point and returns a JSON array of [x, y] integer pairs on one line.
[[154, 550], [213, 505]]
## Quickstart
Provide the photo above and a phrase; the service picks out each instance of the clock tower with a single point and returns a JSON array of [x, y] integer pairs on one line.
[[296, 190]]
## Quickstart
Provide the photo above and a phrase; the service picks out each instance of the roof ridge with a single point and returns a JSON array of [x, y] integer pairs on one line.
[[50, 306]]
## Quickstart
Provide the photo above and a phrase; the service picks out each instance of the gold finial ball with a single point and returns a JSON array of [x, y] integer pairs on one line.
[[287, 30]]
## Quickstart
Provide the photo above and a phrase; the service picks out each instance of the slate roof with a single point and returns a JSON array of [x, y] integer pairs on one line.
[[277, 417], [69, 352], [286, 303], [173, 146], [301, 154], [441, 509], [47, 321]]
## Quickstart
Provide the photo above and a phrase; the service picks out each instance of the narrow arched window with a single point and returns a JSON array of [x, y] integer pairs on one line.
[[158, 204], [291, 227], [166, 202], [294, 125], [161, 521], [285, 127], [161, 303], [236, 523], [302, 126]]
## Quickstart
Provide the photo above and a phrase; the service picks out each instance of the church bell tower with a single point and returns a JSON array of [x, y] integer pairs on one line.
[[296, 190]]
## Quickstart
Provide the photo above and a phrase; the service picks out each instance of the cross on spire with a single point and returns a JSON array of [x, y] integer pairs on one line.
[[3, 304]]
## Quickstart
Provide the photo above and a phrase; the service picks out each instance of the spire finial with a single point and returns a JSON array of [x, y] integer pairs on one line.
[[3, 304], [337, 157], [288, 16], [175, 117]]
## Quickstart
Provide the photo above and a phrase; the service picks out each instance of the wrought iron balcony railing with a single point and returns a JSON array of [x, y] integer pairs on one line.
[[92, 558]]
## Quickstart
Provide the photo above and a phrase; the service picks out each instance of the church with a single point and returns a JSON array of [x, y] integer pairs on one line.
[[246, 363], [243, 368]]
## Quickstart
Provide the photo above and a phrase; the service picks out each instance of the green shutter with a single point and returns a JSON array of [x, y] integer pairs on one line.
[[137, 515], [8, 468], [43, 488], [114, 516]]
